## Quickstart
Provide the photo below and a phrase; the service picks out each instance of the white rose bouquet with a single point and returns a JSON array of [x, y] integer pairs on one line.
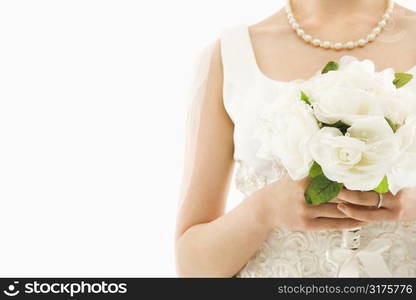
[[346, 126]]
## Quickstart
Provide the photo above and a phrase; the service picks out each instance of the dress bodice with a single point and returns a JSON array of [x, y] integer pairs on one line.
[[288, 253]]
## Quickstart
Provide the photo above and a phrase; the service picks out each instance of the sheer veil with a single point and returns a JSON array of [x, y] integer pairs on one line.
[[195, 98]]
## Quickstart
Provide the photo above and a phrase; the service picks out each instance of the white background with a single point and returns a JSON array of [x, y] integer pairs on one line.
[[92, 108]]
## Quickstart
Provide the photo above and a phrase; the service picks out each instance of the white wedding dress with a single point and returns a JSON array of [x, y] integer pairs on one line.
[[387, 248]]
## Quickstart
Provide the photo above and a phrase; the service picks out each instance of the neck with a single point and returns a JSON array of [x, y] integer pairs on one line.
[[325, 10]]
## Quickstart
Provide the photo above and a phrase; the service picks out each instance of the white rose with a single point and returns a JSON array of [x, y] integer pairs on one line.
[[355, 74], [403, 173], [407, 95], [353, 91], [362, 75], [288, 125], [346, 105], [361, 158]]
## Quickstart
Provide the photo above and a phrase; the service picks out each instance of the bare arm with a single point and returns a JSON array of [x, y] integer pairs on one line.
[[210, 243]]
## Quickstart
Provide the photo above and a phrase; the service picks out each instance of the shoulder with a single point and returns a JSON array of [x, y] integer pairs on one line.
[[275, 26], [209, 62], [405, 17], [403, 26], [209, 55], [216, 57], [404, 11]]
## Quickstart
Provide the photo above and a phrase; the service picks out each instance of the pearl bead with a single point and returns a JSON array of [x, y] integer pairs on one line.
[[377, 30], [371, 37], [350, 45], [316, 42], [307, 37], [326, 44], [300, 32], [362, 42], [347, 45]]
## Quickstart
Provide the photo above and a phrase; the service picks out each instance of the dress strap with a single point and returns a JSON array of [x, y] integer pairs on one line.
[[237, 54]]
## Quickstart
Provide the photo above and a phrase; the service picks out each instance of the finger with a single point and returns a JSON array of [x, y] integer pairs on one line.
[[328, 210], [331, 223], [336, 200], [389, 200], [367, 214], [369, 198]]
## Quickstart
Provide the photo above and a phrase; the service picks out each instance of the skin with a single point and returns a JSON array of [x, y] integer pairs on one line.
[[212, 243]]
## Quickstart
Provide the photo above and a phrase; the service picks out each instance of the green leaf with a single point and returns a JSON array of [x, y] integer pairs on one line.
[[331, 66], [392, 125], [340, 125], [401, 79], [315, 170], [305, 98], [383, 187], [321, 190]]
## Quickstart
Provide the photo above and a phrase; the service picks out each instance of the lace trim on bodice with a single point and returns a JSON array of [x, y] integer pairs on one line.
[[247, 180]]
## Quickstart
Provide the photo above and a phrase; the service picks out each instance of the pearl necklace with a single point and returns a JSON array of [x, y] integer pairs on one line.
[[339, 46]]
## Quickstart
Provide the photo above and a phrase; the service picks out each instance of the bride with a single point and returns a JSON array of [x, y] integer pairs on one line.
[[273, 232]]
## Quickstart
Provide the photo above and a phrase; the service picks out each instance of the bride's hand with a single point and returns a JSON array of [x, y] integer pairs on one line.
[[363, 205], [285, 206]]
